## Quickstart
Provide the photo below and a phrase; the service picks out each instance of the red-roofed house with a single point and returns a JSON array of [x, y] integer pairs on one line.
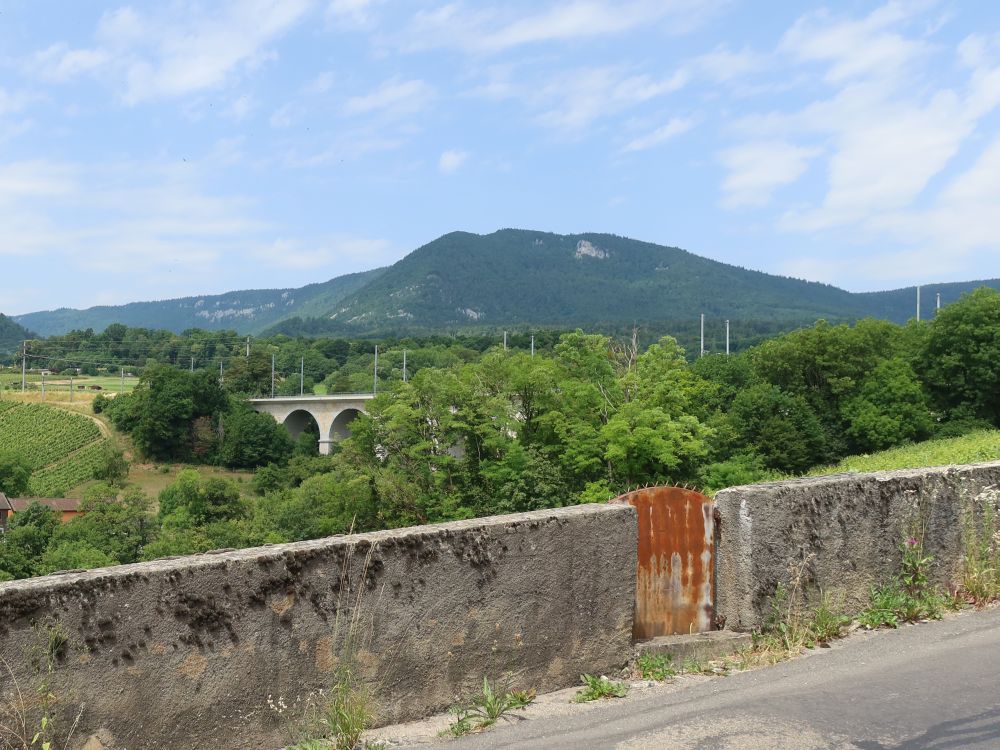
[[67, 507]]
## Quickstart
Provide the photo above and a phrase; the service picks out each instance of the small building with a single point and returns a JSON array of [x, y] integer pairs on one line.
[[67, 507]]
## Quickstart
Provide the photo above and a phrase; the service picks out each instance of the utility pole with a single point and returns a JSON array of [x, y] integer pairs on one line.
[[71, 389], [272, 376], [24, 360], [918, 304], [938, 307], [220, 372], [727, 338], [302, 377], [532, 345], [702, 334], [248, 347], [43, 385], [375, 378], [192, 364], [505, 341], [122, 389], [404, 365]]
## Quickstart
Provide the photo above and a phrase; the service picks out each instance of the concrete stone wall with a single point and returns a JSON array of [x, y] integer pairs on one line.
[[205, 651], [843, 531]]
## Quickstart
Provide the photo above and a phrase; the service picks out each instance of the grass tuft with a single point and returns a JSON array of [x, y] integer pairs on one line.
[[597, 688]]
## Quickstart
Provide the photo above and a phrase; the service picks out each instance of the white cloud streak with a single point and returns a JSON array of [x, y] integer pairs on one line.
[[673, 128]]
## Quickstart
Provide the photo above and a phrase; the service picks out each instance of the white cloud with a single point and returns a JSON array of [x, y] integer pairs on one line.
[[573, 100], [352, 13], [242, 106], [282, 117], [322, 83], [394, 96], [494, 30], [337, 251], [855, 48], [176, 50], [757, 169], [59, 63], [123, 219], [674, 127], [452, 160]]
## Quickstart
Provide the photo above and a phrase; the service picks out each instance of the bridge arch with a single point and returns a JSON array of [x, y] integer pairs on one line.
[[341, 427], [332, 414], [298, 422]]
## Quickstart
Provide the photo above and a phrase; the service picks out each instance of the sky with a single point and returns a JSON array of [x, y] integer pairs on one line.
[[164, 149]]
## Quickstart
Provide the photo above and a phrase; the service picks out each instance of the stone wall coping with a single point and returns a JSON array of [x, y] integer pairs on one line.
[[63, 580]]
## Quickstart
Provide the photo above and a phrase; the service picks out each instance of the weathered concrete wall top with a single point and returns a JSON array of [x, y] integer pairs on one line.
[[844, 532], [186, 653]]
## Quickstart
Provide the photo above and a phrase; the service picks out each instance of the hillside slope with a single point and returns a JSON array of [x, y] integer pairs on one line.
[[246, 311], [517, 278], [11, 335], [63, 448]]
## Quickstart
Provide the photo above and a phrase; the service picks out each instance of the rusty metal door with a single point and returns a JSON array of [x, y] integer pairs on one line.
[[675, 583]]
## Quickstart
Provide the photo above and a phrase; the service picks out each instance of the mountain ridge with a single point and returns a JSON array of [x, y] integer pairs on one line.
[[522, 277]]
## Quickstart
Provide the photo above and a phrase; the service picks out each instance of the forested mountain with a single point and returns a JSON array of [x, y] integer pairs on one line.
[[245, 311], [11, 335], [519, 278]]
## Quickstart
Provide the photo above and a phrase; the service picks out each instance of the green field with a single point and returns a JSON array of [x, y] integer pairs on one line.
[[976, 447], [59, 385], [63, 448]]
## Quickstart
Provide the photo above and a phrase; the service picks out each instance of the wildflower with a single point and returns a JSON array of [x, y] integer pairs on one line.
[[912, 542]]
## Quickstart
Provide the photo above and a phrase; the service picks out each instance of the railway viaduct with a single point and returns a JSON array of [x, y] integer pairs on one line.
[[333, 414]]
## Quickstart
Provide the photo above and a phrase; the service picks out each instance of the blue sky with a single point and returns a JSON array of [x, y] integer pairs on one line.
[[162, 149]]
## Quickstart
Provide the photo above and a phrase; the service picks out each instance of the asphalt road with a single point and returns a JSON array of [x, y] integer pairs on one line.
[[934, 686]]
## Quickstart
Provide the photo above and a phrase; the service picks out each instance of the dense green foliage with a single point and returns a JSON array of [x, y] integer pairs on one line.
[[15, 471], [175, 415], [61, 449], [586, 418], [12, 334]]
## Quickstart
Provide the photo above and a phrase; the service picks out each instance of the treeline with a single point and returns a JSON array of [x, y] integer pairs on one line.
[[589, 418], [305, 360]]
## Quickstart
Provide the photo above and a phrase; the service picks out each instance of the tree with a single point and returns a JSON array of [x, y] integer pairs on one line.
[[889, 409], [200, 500], [779, 427], [73, 555], [961, 358], [163, 404], [15, 472], [328, 504], [118, 528], [251, 439]]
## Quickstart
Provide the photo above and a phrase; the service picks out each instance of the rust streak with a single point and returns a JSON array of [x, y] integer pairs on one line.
[[674, 583]]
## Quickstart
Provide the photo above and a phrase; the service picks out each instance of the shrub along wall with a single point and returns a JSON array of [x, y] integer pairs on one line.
[[219, 650], [842, 532]]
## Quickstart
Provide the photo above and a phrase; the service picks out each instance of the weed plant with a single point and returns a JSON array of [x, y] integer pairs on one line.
[[981, 560], [29, 722], [596, 688], [910, 596], [486, 708], [658, 667], [338, 718]]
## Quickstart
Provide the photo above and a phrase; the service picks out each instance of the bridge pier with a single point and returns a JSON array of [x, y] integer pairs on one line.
[[333, 414]]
